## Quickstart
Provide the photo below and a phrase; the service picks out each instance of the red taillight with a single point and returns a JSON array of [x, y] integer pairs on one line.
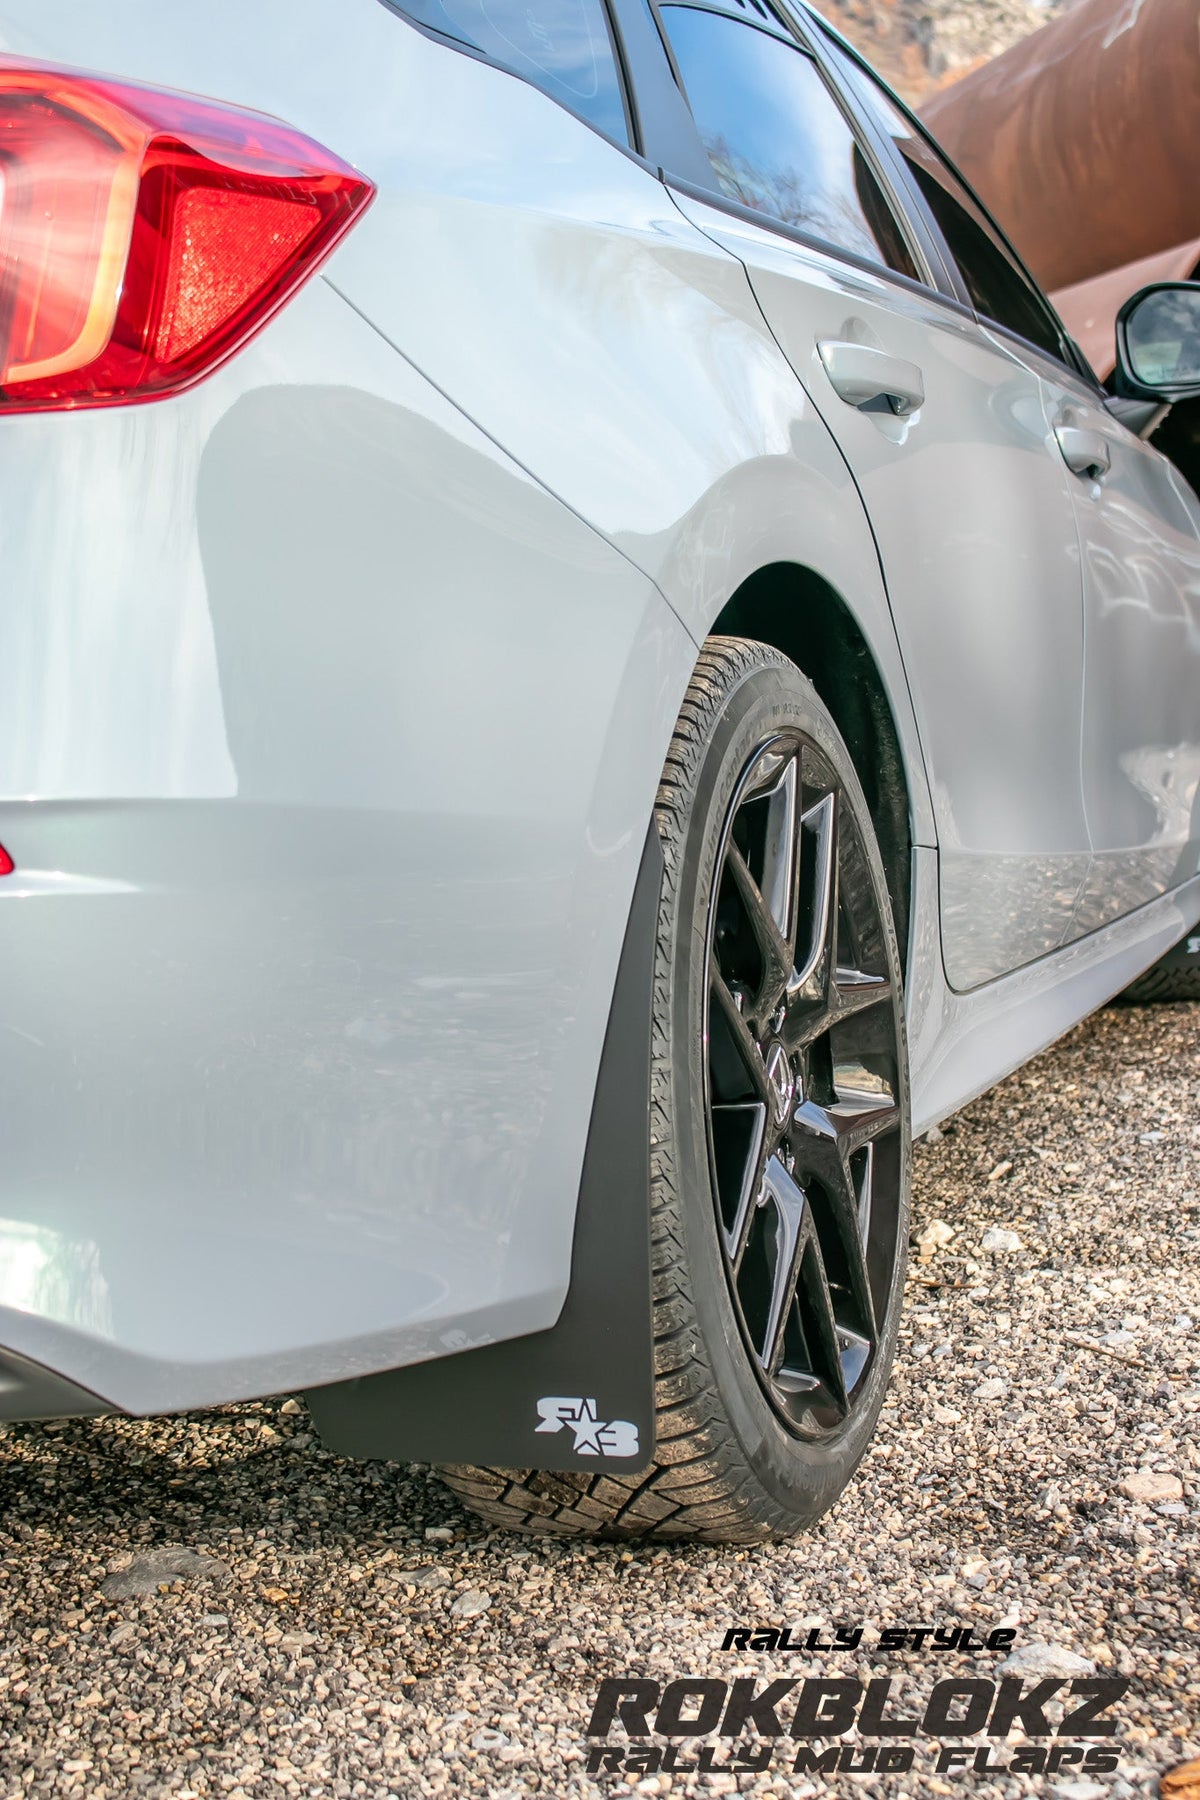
[[145, 235], [6, 862]]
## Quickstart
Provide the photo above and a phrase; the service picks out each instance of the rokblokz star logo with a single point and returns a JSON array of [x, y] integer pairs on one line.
[[594, 1436]]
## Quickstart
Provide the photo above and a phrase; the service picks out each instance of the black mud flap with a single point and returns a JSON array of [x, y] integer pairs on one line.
[[580, 1395]]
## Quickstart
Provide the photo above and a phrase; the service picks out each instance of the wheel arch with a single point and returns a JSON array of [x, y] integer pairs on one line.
[[799, 613]]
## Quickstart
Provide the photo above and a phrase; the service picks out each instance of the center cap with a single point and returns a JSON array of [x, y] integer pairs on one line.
[[781, 1083]]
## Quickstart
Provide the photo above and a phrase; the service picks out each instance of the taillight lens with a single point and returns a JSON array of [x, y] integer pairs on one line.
[[145, 235]]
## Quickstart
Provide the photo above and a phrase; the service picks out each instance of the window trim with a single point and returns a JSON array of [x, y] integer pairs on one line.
[[864, 140], [1072, 358], [633, 148], [721, 202]]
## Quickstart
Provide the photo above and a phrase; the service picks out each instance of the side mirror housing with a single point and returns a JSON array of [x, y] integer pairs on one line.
[[1158, 343]]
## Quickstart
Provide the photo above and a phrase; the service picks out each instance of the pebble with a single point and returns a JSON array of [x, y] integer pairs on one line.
[[998, 1239], [471, 1604], [1148, 1486], [1046, 1659], [995, 1389], [144, 1574], [935, 1236]]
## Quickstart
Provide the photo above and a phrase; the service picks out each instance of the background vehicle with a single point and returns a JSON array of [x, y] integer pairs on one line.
[[663, 623]]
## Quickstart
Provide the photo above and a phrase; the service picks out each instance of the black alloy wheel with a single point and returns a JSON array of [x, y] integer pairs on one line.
[[803, 1079]]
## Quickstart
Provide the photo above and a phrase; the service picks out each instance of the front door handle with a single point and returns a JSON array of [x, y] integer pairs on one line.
[[871, 379], [1085, 452]]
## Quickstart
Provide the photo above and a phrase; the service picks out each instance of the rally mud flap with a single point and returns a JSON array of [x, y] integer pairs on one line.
[[580, 1395]]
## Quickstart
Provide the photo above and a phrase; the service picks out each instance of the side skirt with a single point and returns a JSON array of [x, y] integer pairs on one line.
[[580, 1395]]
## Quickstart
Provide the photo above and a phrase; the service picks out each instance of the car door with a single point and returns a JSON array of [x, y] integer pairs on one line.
[[949, 437], [1139, 533], [1138, 527]]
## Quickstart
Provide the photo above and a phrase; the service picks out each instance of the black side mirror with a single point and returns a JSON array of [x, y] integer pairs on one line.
[[1158, 343]]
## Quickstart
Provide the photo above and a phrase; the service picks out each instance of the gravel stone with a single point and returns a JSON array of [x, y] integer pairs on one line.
[[171, 1562], [361, 1684], [1046, 1659], [1000, 1240], [471, 1604], [1149, 1486]]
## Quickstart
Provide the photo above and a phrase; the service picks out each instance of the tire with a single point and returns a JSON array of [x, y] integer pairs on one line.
[[1175, 976], [755, 1443]]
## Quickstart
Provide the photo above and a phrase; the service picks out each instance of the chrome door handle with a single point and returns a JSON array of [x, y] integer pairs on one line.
[[1084, 452], [868, 378]]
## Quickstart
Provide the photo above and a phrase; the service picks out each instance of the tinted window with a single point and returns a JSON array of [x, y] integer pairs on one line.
[[998, 286], [777, 139], [563, 46]]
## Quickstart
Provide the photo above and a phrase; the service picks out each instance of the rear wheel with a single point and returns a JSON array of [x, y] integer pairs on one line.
[[780, 1132]]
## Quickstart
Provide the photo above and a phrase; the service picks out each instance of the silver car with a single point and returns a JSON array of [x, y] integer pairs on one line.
[[580, 657]]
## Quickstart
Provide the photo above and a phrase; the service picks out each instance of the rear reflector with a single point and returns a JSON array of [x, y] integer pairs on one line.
[[145, 235], [6, 862]]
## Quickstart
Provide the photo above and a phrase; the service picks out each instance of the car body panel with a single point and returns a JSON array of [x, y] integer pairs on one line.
[[962, 1044], [1139, 535], [319, 892], [334, 696]]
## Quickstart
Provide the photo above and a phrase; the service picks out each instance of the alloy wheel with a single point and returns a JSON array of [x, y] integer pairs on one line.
[[803, 1062]]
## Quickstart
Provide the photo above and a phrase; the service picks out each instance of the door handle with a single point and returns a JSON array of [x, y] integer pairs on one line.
[[1085, 452], [871, 379]]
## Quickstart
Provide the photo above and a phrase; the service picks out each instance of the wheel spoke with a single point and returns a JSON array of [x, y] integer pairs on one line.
[[819, 831], [825, 1140], [742, 1038], [821, 1326], [864, 1187], [789, 1206], [850, 992], [773, 947], [778, 884]]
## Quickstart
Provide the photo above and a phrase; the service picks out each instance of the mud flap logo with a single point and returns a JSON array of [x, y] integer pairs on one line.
[[593, 1436]]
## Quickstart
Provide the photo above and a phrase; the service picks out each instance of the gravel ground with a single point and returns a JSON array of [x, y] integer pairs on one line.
[[328, 1628]]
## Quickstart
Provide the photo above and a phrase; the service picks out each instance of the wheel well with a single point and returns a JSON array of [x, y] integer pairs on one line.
[[798, 613]]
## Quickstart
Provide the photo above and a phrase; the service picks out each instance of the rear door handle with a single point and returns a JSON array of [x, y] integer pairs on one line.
[[1084, 452], [871, 379]]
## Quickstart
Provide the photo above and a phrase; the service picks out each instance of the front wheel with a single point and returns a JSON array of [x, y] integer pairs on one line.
[[1175, 976], [780, 1130]]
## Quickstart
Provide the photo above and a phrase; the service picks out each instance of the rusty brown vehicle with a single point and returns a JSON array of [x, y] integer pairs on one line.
[[1081, 139]]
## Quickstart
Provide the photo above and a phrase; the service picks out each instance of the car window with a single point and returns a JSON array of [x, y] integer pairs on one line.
[[776, 138], [563, 46], [999, 288]]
